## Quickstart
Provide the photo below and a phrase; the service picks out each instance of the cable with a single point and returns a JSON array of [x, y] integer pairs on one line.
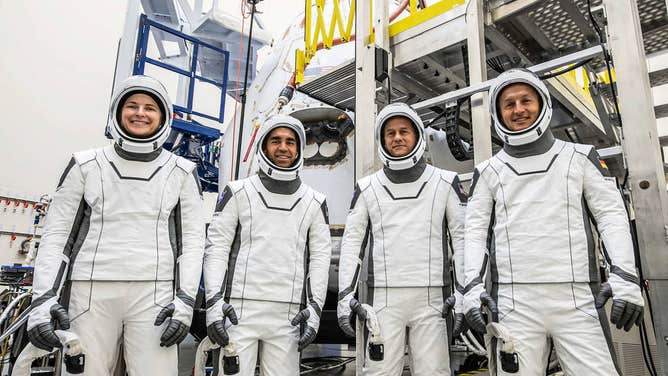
[[330, 363], [607, 59], [243, 95], [558, 73], [644, 339], [236, 85]]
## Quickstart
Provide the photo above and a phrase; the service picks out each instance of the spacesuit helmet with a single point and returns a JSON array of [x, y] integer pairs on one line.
[[265, 163], [413, 157], [140, 85], [542, 122]]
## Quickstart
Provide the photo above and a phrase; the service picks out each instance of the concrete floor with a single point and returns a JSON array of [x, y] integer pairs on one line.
[[188, 347]]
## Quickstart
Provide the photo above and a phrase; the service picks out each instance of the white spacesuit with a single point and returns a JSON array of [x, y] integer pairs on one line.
[[404, 213], [125, 236], [267, 261], [529, 213]]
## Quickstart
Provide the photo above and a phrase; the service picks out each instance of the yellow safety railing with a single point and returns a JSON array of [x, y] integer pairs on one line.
[[579, 79], [317, 35], [419, 16]]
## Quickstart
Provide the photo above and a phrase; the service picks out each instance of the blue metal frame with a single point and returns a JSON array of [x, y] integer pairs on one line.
[[198, 146], [141, 59]]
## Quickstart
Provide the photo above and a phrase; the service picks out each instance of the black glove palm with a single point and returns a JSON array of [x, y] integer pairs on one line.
[[474, 316], [216, 330], [623, 314], [43, 335], [175, 332]]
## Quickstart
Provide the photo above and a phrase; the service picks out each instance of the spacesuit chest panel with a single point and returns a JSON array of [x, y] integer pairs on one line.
[[274, 228], [539, 217], [407, 223], [128, 235]]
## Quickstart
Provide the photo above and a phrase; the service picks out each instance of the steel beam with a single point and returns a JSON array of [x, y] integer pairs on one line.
[[511, 9], [641, 147], [538, 69], [365, 118], [480, 119], [428, 36], [579, 19]]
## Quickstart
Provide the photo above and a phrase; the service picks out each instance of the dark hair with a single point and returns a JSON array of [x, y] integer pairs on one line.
[[266, 138], [124, 98]]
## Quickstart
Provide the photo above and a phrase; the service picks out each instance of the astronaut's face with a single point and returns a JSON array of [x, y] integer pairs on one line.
[[140, 116], [281, 147], [399, 136], [519, 106]]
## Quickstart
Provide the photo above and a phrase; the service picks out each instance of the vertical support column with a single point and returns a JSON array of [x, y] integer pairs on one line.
[[475, 31], [365, 91], [125, 57], [365, 116], [641, 148]]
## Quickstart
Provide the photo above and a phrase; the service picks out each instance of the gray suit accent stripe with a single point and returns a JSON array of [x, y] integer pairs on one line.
[[226, 289], [189, 300], [316, 308], [474, 181], [408, 175], [197, 182], [132, 177], [214, 299], [77, 236], [307, 293], [224, 197], [175, 239], [595, 159], [277, 208], [371, 279], [356, 195], [40, 300], [325, 211], [540, 146], [406, 198], [495, 318], [476, 281], [554, 158], [70, 164], [491, 248], [279, 186], [603, 320], [591, 247], [445, 240], [353, 283], [59, 276], [628, 277], [138, 157], [457, 187]]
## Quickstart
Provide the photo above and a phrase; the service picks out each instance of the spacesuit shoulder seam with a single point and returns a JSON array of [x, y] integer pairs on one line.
[[235, 186], [85, 156], [582, 149], [184, 164], [364, 183]]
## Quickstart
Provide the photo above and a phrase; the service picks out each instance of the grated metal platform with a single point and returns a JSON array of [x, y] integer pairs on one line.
[[533, 32]]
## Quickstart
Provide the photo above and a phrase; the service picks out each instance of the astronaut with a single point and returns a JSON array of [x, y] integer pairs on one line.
[[124, 239], [407, 213], [267, 257], [536, 197]]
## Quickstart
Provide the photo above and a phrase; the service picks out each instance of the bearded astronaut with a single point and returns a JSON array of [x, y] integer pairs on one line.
[[267, 257], [125, 237], [534, 201], [406, 213]]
